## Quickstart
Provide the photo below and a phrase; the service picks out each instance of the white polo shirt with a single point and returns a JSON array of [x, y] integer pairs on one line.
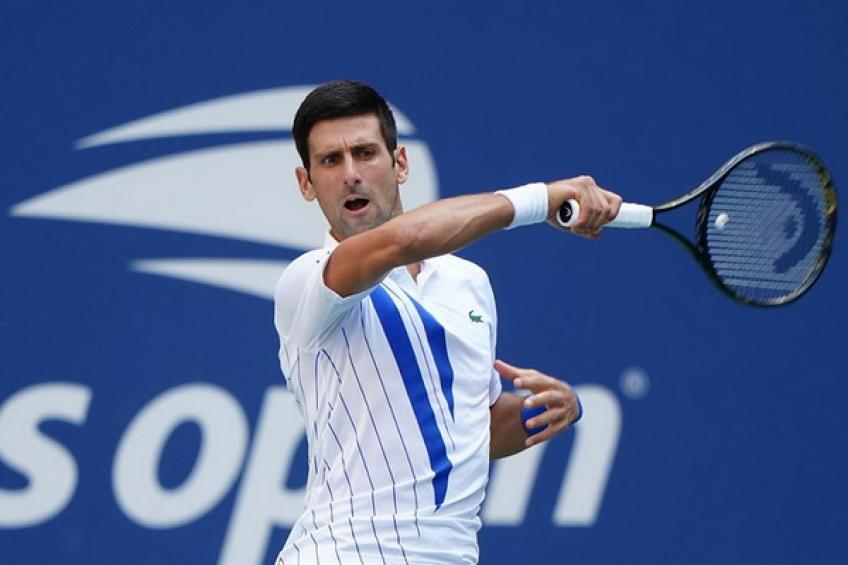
[[394, 385]]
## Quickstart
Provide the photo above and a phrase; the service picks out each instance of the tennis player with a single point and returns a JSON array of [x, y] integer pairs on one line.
[[388, 343]]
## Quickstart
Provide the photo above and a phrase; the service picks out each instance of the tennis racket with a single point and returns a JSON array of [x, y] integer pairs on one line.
[[765, 223]]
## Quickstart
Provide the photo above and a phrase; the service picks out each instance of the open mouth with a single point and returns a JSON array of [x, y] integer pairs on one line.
[[356, 204]]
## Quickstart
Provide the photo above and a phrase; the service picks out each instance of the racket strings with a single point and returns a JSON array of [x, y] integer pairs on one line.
[[767, 226], [760, 252]]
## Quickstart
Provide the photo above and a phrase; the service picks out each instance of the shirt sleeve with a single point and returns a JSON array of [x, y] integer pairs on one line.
[[305, 309]]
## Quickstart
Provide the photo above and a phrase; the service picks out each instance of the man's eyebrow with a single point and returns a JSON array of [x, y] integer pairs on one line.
[[326, 153], [365, 145], [353, 147]]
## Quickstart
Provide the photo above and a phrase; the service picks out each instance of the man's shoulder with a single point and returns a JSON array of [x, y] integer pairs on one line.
[[308, 258], [296, 272]]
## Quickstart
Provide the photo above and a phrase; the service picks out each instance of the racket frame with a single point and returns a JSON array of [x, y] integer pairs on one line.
[[708, 190]]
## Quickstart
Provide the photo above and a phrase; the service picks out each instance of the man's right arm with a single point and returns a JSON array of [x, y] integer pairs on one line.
[[444, 226]]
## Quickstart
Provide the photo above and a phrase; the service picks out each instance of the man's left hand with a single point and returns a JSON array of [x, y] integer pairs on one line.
[[562, 406]]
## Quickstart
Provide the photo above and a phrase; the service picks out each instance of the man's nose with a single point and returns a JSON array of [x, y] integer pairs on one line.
[[351, 172]]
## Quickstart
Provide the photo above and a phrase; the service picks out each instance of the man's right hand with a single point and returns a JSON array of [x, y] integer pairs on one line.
[[597, 206]]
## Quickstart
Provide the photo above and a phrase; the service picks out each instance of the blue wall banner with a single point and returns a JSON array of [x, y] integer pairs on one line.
[[148, 204]]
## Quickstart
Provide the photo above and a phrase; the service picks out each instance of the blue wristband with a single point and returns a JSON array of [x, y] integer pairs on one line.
[[579, 408]]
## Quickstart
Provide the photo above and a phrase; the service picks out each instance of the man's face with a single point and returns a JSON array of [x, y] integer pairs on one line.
[[352, 174]]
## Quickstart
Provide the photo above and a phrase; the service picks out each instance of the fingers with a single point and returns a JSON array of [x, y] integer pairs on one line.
[[593, 235], [507, 371], [597, 206], [592, 205], [531, 379], [544, 435], [562, 409], [561, 405], [535, 381], [547, 398], [554, 420], [566, 409], [614, 201], [561, 399]]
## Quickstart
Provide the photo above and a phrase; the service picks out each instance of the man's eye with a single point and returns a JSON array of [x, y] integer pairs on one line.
[[330, 160], [367, 153]]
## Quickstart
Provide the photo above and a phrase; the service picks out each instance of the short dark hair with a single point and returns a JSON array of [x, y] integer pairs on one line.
[[341, 99]]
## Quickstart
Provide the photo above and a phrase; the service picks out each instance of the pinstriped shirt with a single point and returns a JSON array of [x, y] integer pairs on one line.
[[394, 385]]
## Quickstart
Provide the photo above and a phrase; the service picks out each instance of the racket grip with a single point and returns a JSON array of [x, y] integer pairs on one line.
[[629, 215]]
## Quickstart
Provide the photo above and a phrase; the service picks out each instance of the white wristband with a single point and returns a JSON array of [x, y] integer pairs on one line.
[[530, 202]]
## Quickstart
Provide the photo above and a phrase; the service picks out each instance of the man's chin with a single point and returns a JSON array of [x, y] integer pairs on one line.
[[355, 227], [351, 223]]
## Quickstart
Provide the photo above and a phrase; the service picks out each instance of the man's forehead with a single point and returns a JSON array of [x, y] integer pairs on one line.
[[351, 130]]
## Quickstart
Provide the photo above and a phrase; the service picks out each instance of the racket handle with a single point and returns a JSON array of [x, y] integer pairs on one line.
[[629, 215]]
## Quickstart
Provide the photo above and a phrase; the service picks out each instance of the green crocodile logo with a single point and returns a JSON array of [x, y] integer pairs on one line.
[[476, 318]]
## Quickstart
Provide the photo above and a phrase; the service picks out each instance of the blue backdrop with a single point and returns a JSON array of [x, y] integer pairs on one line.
[[147, 204]]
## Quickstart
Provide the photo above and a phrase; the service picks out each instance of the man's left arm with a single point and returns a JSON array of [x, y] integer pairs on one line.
[[507, 427]]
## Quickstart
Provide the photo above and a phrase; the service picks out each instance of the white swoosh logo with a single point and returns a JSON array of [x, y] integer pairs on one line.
[[242, 191], [262, 110], [254, 277]]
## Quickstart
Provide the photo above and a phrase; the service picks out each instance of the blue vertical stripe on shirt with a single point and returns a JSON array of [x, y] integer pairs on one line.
[[413, 381], [439, 348]]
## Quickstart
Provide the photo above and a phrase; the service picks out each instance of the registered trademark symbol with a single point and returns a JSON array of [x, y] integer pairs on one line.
[[634, 383]]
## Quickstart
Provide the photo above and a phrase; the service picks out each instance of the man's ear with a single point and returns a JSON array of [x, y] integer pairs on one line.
[[401, 165], [305, 184]]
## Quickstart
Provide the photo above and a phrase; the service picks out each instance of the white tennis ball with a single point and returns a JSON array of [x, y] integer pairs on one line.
[[721, 220]]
